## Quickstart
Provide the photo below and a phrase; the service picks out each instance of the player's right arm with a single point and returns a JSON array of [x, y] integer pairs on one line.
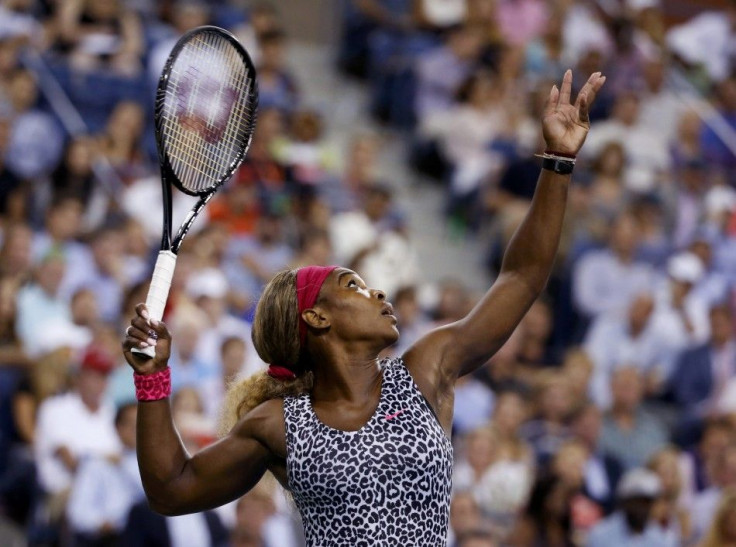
[[175, 482]]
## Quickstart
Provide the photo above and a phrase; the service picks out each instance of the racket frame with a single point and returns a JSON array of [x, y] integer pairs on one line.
[[166, 261]]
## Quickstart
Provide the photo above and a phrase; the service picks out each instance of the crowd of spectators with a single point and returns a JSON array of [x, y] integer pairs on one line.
[[610, 414]]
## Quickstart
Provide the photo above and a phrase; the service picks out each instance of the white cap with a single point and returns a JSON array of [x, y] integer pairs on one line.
[[208, 282], [719, 200], [639, 483], [685, 267], [638, 5], [60, 333]]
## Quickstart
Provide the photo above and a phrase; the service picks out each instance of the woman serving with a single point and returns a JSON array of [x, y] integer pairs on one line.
[[362, 444]]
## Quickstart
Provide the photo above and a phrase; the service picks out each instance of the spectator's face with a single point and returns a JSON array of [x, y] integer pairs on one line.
[[484, 92], [307, 126], [668, 469], [464, 513], [16, 254], [264, 19], [407, 309], [640, 311], [186, 338], [272, 55], [23, 92], [107, 248], [721, 326], [689, 127], [84, 308], [50, 274], [377, 205], [569, 464], [480, 450], [319, 250], [509, 413], [714, 442], [186, 401], [556, 401], [588, 426], [624, 236], [190, 17], [626, 110], [64, 220], [453, 302], [233, 358], [627, 389], [637, 511], [214, 307], [126, 121], [91, 386], [654, 73], [270, 125], [466, 43], [611, 161], [269, 230], [79, 157], [254, 509]]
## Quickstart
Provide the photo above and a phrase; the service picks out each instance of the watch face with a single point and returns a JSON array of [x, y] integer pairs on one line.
[[560, 167]]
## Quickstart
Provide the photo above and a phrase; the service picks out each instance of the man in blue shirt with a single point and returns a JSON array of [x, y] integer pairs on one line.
[[630, 526]]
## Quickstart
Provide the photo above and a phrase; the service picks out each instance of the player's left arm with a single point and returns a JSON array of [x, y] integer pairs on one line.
[[456, 349]]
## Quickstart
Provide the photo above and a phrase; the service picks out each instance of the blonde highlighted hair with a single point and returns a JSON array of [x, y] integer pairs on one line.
[[275, 335], [718, 533]]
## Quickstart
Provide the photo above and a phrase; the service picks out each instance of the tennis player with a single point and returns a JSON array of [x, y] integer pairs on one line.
[[362, 444]]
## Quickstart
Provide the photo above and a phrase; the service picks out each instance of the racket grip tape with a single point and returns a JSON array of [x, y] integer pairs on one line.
[[158, 291]]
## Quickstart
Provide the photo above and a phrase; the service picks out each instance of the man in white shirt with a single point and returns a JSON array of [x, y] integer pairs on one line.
[[647, 153], [608, 279], [708, 40], [630, 338], [105, 488], [74, 426]]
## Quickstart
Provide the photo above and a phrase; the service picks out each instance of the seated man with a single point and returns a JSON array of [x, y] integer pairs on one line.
[[631, 523], [105, 489]]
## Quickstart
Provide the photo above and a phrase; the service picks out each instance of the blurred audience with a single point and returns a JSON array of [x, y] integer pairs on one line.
[[629, 350]]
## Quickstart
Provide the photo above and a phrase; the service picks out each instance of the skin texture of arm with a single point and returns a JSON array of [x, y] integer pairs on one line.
[[438, 359], [177, 483]]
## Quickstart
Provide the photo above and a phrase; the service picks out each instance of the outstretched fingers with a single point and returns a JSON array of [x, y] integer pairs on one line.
[[554, 96], [587, 95], [566, 89]]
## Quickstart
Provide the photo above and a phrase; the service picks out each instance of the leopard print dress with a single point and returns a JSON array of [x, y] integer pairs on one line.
[[387, 483]]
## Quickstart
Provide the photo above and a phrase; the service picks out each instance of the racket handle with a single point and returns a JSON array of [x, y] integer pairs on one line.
[[158, 292]]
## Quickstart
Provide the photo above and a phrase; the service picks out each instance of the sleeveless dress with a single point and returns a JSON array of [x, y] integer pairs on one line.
[[387, 483]]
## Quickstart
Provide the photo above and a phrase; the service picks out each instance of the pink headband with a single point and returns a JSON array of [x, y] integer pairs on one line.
[[309, 281]]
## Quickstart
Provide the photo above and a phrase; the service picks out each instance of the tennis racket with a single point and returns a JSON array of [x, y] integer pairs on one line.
[[205, 114]]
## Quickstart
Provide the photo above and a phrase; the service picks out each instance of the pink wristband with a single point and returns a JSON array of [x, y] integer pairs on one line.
[[153, 387]]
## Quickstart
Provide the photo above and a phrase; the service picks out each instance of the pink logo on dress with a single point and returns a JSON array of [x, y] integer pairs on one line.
[[392, 416]]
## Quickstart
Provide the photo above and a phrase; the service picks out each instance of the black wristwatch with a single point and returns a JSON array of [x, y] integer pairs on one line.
[[559, 166]]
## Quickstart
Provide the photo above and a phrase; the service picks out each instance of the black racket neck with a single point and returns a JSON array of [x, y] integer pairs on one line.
[[189, 220], [166, 232]]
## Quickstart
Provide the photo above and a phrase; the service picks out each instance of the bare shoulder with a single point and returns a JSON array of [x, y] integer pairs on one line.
[[265, 423], [425, 357]]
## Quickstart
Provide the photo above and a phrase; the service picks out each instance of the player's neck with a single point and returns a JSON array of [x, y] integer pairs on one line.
[[345, 378]]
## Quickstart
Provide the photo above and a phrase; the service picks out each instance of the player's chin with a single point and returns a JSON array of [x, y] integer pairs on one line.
[[392, 334]]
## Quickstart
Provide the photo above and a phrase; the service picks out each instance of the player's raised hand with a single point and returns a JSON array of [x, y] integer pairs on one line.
[[142, 333], [565, 125]]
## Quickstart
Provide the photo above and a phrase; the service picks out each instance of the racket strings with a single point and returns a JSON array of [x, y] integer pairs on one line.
[[207, 111]]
